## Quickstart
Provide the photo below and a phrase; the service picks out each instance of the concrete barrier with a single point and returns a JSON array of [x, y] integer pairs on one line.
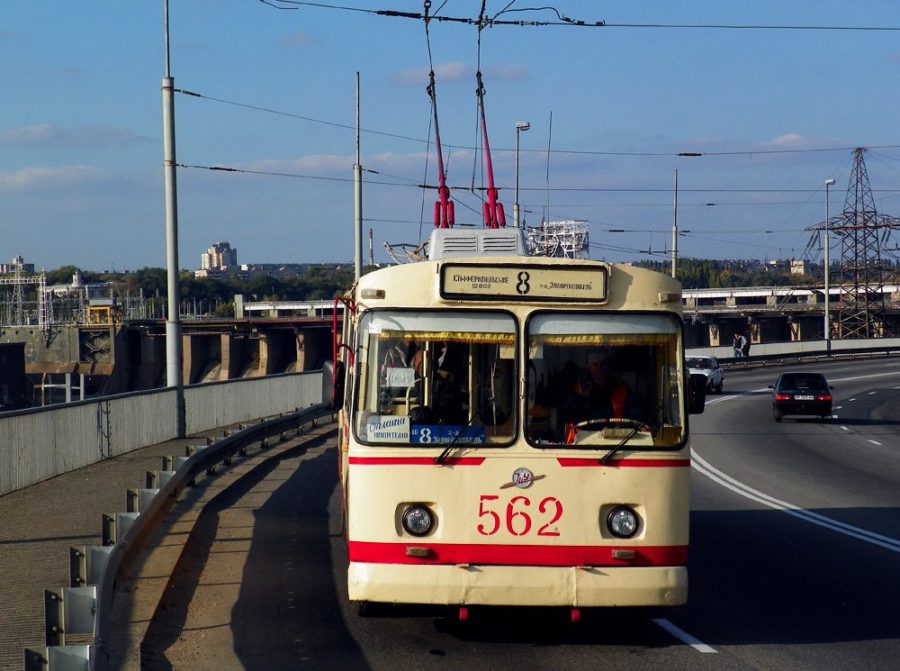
[[41, 443]]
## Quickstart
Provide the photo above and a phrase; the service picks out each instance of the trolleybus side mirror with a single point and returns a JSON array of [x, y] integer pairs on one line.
[[333, 384], [696, 393]]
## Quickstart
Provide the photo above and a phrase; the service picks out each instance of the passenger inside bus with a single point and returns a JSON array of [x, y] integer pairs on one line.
[[447, 402], [597, 393]]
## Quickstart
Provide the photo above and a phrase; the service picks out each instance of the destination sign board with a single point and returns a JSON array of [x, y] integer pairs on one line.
[[474, 281]]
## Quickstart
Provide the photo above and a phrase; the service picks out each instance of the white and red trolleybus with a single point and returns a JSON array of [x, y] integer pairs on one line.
[[486, 459]]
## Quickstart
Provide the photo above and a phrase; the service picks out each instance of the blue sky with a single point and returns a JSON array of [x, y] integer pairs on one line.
[[81, 179]]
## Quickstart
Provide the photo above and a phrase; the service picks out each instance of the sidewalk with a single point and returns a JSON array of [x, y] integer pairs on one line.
[[40, 523]]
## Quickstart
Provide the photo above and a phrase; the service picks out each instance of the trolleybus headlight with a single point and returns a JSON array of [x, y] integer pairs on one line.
[[622, 521], [417, 519]]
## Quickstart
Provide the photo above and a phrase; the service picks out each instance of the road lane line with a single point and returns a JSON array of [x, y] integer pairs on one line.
[[683, 636], [845, 428], [874, 442], [714, 474]]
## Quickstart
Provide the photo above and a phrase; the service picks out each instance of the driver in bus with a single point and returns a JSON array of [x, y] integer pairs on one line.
[[597, 393]]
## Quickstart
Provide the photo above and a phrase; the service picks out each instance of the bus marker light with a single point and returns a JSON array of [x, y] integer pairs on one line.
[[372, 293]]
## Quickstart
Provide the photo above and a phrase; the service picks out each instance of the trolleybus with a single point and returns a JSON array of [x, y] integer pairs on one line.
[[514, 430]]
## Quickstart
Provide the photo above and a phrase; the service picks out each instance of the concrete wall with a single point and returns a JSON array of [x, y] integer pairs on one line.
[[38, 444]]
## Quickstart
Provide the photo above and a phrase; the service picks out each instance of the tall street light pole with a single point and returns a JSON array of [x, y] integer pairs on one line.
[[357, 199], [828, 182], [520, 126], [675, 228], [173, 319]]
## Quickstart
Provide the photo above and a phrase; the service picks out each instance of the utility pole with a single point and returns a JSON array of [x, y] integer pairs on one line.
[[675, 228], [357, 199], [173, 319], [828, 182]]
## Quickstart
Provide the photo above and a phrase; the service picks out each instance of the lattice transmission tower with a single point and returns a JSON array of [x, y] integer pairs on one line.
[[863, 233]]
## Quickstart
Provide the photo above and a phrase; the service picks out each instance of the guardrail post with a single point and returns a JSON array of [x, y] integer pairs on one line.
[[59, 658], [54, 634], [137, 500], [87, 564], [116, 525], [158, 479]]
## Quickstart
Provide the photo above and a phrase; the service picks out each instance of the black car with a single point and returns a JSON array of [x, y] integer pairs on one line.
[[801, 394]]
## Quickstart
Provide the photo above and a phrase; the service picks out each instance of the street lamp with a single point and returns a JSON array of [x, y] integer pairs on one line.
[[828, 182], [675, 228], [520, 126]]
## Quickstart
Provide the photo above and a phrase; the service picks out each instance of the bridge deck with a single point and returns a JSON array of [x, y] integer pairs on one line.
[[41, 522]]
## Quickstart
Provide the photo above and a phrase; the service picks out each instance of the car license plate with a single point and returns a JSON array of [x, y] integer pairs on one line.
[[804, 397]]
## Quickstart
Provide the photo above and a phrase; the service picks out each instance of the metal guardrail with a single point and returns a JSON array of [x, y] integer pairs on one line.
[[70, 607]]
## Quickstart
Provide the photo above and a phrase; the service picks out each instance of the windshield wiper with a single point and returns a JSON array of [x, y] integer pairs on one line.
[[442, 457], [634, 431]]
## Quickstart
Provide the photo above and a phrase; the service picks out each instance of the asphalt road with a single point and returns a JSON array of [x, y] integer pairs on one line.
[[795, 561]]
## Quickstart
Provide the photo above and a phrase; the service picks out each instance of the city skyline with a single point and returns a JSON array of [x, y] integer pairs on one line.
[[771, 112]]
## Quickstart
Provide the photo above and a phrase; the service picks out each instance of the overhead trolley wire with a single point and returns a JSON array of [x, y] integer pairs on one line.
[[574, 152], [569, 22]]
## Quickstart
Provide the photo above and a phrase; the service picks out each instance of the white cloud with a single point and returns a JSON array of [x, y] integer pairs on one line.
[[326, 164], [789, 140], [36, 178], [298, 40], [459, 71], [514, 72], [453, 71], [94, 136]]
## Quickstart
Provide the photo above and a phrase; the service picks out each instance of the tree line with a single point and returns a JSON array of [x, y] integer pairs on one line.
[[313, 282]]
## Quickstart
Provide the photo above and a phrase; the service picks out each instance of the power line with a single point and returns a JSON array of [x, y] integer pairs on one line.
[[572, 152], [565, 21]]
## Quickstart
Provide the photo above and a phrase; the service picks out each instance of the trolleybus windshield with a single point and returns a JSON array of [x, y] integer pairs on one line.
[[601, 379], [435, 377]]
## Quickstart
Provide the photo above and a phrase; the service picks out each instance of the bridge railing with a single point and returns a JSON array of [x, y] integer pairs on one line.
[[41, 443], [805, 349]]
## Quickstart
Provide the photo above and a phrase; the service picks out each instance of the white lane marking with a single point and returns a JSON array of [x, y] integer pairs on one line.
[[851, 400], [874, 442], [714, 474], [683, 636], [872, 393], [845, 428], [866, 377], [839, 407]]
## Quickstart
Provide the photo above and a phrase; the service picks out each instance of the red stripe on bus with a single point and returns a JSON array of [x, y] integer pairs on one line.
[[415, 461], [572, 462], [515, 555]]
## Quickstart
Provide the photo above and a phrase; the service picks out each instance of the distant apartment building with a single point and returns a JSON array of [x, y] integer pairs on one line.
[[799, 267], [17, 265], [217, 260]]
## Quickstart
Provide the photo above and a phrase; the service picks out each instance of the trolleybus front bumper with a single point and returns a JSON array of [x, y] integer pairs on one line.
[[518, 585]]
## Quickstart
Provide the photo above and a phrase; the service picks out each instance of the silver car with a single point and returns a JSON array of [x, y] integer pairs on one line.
[[708, 366]]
